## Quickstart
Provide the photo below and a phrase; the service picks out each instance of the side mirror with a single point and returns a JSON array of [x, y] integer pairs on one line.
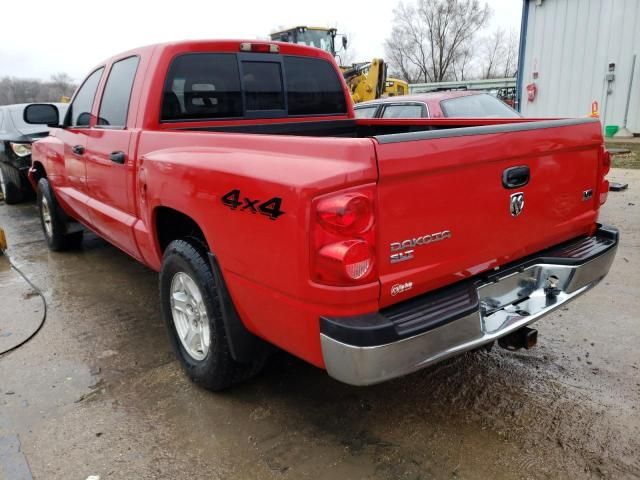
[[83, 119], [344, 42], [42, 114]]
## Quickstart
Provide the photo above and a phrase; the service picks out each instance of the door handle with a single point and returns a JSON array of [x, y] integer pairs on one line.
[[118, 157], [515, 177], [78, 149]]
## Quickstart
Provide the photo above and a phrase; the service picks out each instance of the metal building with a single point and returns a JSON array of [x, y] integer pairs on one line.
[[575, 52]]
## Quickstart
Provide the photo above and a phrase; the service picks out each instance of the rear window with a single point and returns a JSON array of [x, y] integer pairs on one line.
[[477, 106], [313, 87], [202, 86], [207, 86], [404, 111], [263, 85]]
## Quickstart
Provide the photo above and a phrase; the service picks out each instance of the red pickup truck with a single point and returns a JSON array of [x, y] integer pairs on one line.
[[368, 247]]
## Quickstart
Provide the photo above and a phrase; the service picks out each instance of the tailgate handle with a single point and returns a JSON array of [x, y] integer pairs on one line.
[[515, 177]]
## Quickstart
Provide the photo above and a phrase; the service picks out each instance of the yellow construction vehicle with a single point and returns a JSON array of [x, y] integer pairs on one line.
[[323, 38], [367, 81], [394, 87]]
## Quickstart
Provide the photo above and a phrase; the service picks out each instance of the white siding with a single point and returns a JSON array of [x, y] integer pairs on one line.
[[570, 43]]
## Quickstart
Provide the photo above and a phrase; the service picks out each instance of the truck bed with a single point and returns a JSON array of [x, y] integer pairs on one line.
[[436, 176], [363, 127]]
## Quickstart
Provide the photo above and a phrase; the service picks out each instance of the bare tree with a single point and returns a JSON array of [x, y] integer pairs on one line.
[[511, 54], [463, 63], [499, 54], [492, 53], [407, 49], [61, 85], [24, 90], [404, 57], [428, 38]]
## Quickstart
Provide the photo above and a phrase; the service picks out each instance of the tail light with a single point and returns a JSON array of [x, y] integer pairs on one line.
[[604, 191], [606, 162], [343, 238], [350, 213], [604, 169]]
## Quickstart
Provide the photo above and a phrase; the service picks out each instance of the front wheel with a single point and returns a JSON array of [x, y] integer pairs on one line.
[[54, 221], [192, 313]]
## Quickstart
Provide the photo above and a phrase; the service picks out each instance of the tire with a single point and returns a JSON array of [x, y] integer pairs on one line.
[[55, 223], [11, 184], [192, 313]]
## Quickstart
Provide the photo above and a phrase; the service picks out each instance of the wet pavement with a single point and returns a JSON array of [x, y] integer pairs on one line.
[[98, 391]]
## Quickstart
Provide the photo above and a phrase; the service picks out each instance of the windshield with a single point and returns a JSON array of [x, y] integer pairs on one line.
[[316, 38], [477, 106]]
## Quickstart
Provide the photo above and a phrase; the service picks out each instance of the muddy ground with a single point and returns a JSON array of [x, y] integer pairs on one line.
[[98, 391]]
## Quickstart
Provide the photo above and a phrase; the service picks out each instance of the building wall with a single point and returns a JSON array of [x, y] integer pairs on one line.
[[570, 43]]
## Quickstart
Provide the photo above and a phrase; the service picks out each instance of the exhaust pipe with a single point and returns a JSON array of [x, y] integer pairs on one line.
[[524, 337]]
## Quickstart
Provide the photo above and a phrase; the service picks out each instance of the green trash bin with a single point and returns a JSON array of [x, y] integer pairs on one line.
[[611, 130]]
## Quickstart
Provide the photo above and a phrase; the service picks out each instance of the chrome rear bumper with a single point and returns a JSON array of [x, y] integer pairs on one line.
[[464, 317]]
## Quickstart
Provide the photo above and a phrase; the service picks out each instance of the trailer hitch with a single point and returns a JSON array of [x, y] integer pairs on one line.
[[524, 337]]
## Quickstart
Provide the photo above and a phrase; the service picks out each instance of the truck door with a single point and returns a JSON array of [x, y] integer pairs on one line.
[[110, 159], [71, 186]]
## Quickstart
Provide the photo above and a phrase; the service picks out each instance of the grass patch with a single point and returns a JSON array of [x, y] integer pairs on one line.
[[628, 160]]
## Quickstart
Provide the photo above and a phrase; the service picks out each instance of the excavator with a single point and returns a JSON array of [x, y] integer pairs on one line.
[[367, 80]]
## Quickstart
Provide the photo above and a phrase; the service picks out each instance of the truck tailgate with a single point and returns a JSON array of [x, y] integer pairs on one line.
[[444, 211]]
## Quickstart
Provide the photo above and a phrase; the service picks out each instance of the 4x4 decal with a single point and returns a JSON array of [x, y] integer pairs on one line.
[[269, 208]]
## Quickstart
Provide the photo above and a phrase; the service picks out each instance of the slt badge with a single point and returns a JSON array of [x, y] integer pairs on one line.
[[403, 251]]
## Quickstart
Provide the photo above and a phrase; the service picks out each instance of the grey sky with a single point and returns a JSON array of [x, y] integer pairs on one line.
[[39, 38]]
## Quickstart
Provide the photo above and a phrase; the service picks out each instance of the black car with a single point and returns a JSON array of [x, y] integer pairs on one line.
[[16, 137]]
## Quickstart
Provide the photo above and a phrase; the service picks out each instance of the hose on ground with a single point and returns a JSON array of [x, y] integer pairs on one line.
[[44, 304]]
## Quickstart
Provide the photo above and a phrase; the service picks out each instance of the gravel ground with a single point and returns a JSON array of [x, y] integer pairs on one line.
[[98, 390], [626, 160]]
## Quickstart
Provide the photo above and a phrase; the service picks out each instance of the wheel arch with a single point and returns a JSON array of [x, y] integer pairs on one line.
[[36, 172], [171, 224]]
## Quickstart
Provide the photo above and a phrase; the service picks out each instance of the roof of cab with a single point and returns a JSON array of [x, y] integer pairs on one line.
[[219, 45]]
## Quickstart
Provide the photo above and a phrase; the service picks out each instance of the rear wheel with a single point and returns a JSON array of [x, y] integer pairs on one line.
[[11, 184], [55, 223], [192, 313]]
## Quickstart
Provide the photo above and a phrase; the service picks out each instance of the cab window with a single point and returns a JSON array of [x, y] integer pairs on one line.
[[79, 113], [114, 105]]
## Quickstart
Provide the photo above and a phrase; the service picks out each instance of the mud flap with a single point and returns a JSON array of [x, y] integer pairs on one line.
[[245, 346]]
